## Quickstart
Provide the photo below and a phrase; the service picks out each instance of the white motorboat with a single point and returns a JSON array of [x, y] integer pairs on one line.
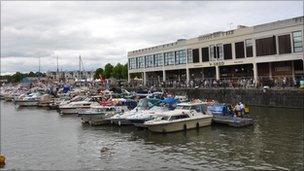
[[31, 99], [122, 118], [185, 116], [75, 107], [97, 115], [140, 117]]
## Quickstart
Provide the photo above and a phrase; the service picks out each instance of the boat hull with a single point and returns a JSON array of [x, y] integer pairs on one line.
[[66, 111], [93, 119], [120, 121], [25, 103], [233, 121], [179, 125]]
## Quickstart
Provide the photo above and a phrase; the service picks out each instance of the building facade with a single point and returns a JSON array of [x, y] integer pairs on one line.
[[263, 51], [70, 75]]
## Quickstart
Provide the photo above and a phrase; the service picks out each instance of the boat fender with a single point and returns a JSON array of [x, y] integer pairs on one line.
[[197, 125], [2, 160], [185, 127]]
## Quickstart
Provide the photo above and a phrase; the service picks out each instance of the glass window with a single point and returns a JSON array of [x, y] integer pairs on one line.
[[158, 60], [169, 58], [227, 51], [132, 63], [141, 62], [189, 56], [248, 44], [216, 52], [149, 61], [266, 46], [297, 41], [205, 54], [195, 55], [180, 57], [284, 44], [239, 50]]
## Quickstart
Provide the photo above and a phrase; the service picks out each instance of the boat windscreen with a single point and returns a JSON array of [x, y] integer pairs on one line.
[[183, 107]]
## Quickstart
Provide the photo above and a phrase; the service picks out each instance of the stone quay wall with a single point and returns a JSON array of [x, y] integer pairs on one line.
[[286, 98], [253, 97]]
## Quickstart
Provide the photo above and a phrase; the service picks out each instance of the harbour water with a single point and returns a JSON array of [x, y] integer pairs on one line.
[[36, 138]]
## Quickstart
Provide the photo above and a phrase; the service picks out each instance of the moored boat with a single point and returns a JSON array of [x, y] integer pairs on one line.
[[26, 100], [223, 114], [185, 116], [97, 115]]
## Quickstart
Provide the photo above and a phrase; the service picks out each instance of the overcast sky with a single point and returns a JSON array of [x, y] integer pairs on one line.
[[103, 32]]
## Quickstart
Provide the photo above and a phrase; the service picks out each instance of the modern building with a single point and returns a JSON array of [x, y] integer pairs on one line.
[[263, 51]]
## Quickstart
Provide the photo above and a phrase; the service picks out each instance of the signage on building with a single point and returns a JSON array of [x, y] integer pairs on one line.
[[238, 62], [282, 69], [217, 63]]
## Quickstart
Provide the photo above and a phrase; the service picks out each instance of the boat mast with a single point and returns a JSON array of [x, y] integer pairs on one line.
[[57, 70]]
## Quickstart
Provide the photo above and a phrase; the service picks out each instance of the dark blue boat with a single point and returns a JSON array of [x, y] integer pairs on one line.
[[223, 114]]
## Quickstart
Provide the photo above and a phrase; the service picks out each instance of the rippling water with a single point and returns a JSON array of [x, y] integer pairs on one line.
[[34, 138]]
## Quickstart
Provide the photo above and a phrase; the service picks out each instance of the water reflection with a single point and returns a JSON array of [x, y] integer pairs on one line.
[[34, 138]]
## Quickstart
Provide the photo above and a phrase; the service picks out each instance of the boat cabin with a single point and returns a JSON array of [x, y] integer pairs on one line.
[[220, 110], [198, 107]]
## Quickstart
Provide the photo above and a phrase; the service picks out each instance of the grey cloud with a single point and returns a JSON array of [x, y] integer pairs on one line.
[[103, 32]]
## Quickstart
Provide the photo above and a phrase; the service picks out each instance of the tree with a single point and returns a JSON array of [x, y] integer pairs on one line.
[[32, 74], [98, 72], [117, 71], [125, 71], [108, 70], [17, 77]]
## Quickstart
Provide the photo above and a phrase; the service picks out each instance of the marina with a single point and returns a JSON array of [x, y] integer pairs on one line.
[[36, 138], [218, 86]]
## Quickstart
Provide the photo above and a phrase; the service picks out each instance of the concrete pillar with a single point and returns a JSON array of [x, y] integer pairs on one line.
[[292, 70], [253, 48], [129, 77], [233, 50], [270, 70], [187, 76], [145, 78], [217, 72], [200, 55], [255, 73], [164, 75]]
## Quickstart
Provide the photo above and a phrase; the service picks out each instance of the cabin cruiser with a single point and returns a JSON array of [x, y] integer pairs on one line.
[[139, 118], [158, 110], [98, 114], [30, 99], [75, 107], [185, 116], [143, 106]]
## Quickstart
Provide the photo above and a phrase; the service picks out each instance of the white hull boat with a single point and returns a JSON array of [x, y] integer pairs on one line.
[[185, 116]]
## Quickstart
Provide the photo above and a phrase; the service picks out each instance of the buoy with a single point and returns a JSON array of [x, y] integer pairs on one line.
[[2, 160]]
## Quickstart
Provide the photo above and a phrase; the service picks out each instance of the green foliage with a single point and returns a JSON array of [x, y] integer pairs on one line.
[[118, 71], [108, 70], [18, 76], [98, 72]]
